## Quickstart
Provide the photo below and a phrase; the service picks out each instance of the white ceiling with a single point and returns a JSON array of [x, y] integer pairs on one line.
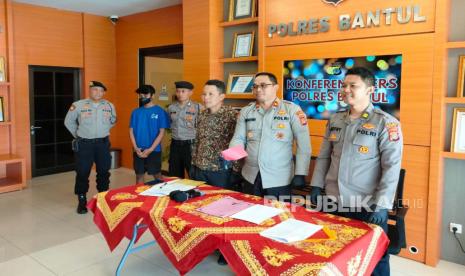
[[104, 7]]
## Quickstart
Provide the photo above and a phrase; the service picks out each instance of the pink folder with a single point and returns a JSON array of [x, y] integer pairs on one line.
[[225, 207], [234, 153]]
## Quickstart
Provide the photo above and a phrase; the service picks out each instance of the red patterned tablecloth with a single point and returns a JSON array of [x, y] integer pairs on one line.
[[187, 236]]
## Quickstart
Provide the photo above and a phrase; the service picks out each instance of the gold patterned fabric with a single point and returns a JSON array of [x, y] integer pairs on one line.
[[187, 236]]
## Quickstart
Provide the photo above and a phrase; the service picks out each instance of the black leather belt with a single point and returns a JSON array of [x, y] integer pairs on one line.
[[94, 141], [182, 142]]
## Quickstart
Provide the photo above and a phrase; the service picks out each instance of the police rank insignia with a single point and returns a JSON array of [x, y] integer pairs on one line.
[[281, 126], [393, 131], [73, 107], [365, 115], [250, 134], [363, 149], [282, 112], [368, 126], [302, 117], [332, 137]]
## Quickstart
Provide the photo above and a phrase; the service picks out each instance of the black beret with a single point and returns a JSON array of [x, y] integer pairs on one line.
[[145, 89], [184, 84], [97, 84]]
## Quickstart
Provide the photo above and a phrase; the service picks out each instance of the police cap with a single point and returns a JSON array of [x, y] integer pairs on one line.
[[184, 84], [97, 84]]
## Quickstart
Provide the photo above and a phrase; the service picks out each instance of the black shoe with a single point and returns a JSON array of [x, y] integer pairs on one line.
[[82, 205], [222, 260]]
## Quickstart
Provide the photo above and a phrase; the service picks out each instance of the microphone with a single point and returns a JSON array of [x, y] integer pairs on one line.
[[181, 196]]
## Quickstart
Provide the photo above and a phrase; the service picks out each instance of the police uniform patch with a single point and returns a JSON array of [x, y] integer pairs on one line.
[[282, 112], [363, 149], [72, 108], [302, 117], [189, 118], [281, 126], [368, 126], [250, 134], [332, 137], [393, 131], [280, 135]]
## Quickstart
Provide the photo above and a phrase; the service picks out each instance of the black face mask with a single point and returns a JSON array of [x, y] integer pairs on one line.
[[144, 101]]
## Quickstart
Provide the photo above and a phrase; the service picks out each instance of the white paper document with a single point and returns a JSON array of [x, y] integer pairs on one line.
[[166, 188], [257, 213], [291, 230]]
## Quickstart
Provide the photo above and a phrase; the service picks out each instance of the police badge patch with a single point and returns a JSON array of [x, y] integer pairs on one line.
[[334, 2]]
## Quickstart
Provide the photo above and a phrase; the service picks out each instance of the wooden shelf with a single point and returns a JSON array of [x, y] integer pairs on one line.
[[10, 185], [239, 22], [241, 59], [453, 155], [455, 44], [240, 96], [10, 158], [454, 100]]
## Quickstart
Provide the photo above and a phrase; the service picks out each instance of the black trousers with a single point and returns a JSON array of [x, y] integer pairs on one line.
[[92, 151], [257, 189], [180, 158]]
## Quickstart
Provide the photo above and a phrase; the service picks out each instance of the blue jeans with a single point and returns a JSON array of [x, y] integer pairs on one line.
[[219, 178]]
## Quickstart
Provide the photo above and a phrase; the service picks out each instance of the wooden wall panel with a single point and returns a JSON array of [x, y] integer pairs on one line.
[[278, 11], [99, 56], [39, 40], [416, 163], [149, 29], [417, 74]]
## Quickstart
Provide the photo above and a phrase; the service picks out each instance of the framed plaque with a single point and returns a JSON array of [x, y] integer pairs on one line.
[[239, 9], [2, 70], [458, 131], [2, 115], [461, 78], [240, 83], [243, 44]]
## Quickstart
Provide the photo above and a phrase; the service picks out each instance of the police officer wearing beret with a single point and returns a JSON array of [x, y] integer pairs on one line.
[[267, 129], [360, 158], [89, 121], [183, 115]]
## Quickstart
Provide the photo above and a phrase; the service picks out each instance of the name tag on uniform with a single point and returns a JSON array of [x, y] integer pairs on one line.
[[250, 119]]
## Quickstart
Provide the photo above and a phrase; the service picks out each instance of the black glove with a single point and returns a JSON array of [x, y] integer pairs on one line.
[[379, 215], [298, 181], [316, 192]]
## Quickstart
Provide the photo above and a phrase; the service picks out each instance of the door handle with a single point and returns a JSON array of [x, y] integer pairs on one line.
[[33, 129]]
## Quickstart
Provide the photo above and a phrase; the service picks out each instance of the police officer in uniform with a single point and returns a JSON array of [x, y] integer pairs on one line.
[[89, 121], [267, 129], [183, 115], [360, 158]]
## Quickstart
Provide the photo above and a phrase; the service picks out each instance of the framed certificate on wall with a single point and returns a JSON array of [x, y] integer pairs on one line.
[[458, 131], [2, 115], [243, 44], [461, 78], [240, 83], [239, 9]]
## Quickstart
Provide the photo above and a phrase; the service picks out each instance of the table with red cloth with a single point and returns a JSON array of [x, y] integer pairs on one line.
[[186, 236]]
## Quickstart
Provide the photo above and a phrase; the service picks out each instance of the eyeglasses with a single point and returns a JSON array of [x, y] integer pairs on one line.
[[261, 85]]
